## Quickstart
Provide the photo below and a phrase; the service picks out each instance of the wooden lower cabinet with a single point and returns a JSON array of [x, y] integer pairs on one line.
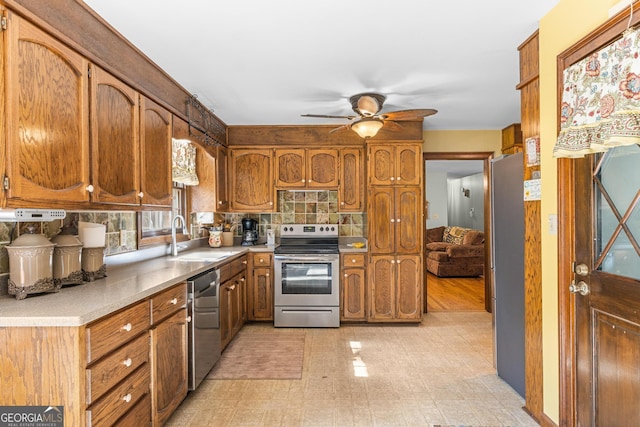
[[169, 359], [395, 288], [128, 368], [232, 307], [353, 286], [260, 287]]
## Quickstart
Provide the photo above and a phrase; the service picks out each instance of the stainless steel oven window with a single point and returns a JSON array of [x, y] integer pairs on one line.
[[307, 278]]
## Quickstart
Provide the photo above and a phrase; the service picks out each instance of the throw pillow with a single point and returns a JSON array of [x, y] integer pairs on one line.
[[454, 235]]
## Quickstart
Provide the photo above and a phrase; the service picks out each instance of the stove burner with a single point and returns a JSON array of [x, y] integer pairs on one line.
[[308, 239]]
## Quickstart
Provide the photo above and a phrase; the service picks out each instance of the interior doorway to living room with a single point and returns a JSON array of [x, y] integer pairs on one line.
[[457, 194]]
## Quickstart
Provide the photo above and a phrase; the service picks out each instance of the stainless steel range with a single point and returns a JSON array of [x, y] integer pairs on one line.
[[307, 282]]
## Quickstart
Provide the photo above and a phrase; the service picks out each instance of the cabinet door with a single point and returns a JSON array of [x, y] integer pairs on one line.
[[381, 217], [169, 366], [236, 297], [351, 190], [408, 167], [382, 286], [115, 148], [353, 294], [203, 195], [409, 287], [252, 187], [408, 220], [322, 169], [290, 168], [224, 308], [155, 136], [261, 303], [222, 166], [381, 164], [47, 117]]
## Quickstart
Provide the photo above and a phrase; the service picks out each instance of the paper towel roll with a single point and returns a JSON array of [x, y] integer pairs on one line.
[[92, 235]]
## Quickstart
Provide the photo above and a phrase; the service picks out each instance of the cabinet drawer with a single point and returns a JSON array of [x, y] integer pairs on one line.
[[168, 302], [111, 332], [261, 260], [140, 415], [238, 265], [353, 260], [120, 399], [115, 367], [230, 269]]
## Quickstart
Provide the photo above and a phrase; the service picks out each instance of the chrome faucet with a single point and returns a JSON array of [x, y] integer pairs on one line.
[[174, 245]]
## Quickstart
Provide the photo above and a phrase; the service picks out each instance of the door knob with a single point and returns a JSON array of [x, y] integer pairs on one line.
[[581, 270], [581, 288]]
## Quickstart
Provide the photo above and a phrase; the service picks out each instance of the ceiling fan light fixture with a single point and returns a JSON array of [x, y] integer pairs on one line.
[[368, 106], [367, 127]]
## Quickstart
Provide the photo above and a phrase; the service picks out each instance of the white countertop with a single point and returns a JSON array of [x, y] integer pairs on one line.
[[124, 285]]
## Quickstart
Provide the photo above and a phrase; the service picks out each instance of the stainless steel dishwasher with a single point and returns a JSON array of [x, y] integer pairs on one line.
[[204, 325]]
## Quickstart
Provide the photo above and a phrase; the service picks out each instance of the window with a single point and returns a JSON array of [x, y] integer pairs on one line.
[[155, 226]]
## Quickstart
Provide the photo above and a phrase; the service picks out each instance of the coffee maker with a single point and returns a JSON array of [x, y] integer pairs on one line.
[[249, 232]]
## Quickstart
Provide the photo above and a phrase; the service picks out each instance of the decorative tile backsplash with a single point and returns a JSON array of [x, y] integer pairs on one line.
[[114, 221], [297, 207], [294, 207]]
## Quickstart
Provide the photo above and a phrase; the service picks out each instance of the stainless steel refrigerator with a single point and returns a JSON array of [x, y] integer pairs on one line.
[[507, 207]]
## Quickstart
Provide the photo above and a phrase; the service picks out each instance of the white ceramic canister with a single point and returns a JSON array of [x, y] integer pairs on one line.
[[31, 265], [67, 255], [93, 266]]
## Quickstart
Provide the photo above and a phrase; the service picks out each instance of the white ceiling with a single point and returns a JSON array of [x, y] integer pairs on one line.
[[268, 62], [455, 168]]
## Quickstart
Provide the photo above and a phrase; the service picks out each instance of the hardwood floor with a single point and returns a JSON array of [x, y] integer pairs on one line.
[[455, 293]]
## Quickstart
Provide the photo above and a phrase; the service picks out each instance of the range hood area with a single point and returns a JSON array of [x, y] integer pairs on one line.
[[23, 214]]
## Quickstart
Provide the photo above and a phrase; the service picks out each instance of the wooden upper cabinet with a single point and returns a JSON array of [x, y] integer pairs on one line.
[[252, 180], [203, 195], [155, 136], [306, 168], [47, 104], [395, 164], [115, 146], [290, 168], [322, 169], [351, 190], [222, 166]]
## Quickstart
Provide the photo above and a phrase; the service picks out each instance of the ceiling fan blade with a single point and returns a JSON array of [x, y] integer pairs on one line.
[[409, 114], [328, 116], [392, 126], [343, 127]]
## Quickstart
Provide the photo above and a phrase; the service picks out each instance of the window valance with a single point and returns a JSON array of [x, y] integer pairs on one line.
[[184, 162], [601, 100]]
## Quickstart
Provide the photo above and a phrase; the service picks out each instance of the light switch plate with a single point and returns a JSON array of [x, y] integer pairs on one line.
[[553, 224]]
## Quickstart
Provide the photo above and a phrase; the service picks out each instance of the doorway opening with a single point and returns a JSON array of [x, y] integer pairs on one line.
[[479, 214]]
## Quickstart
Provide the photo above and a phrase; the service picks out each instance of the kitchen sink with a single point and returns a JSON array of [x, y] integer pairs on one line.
[[203, 256]]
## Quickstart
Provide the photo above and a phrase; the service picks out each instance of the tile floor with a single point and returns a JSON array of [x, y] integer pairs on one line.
[[438, 373]]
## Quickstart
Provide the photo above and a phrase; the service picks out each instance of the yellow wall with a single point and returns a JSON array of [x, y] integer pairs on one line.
[[462, 140], [567, 23]]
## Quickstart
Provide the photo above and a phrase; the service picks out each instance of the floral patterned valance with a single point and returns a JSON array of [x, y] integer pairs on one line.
[[601, 100], [184, 162]]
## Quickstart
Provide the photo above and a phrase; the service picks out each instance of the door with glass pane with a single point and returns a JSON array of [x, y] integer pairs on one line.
[[607, 288]]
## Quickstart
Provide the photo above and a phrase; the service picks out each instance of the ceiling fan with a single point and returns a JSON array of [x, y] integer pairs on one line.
[[368, 121]]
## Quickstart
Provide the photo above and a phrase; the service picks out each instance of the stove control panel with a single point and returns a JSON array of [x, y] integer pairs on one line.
[[303, 230]]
